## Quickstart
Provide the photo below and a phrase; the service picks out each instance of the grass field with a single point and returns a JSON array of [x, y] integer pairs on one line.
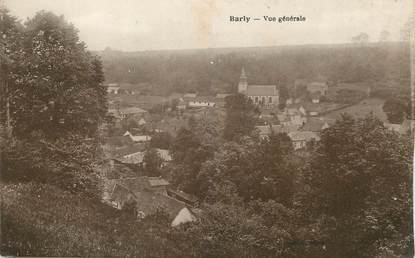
[[362, 109]]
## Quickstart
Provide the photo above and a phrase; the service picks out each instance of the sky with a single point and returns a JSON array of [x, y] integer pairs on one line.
[[136, 25]]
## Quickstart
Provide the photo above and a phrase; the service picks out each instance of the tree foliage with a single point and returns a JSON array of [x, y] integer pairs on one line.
[[152, 162], [240, 117], [397, 108], [360, 189], [56, 87]]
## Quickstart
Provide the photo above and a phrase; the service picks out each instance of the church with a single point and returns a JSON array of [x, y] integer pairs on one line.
[[262, 95]]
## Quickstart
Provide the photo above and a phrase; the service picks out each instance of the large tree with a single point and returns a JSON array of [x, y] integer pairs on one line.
[[240, 117], [152, 162], [258, 170], [359, 191], [57, 88], [56, 102], [10, 44], [397, 108]]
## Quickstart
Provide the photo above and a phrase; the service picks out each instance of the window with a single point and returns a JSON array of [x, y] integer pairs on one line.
[[270, 100], [263, 100], [256, 99]]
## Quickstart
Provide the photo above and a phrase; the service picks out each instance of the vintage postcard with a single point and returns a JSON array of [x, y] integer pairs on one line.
[[207, 128]]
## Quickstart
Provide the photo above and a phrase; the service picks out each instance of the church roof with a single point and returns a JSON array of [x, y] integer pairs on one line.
[[262, 90]]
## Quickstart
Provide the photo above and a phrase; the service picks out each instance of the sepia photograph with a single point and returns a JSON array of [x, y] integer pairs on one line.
[[207, 128]]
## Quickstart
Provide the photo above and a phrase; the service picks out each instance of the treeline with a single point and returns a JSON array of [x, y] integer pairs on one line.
[[209, 71]]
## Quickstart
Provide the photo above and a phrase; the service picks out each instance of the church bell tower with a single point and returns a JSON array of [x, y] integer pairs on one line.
[[243, 82]]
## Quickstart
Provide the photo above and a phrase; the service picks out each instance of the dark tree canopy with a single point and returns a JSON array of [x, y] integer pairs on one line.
[[240, 117], [360, 189], [57, 87], [397, 108], [152, 162]]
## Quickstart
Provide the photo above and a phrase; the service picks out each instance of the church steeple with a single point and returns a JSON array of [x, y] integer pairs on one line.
[[243, 82]]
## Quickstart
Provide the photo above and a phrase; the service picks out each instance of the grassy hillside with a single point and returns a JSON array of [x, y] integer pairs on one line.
[[42, 220]]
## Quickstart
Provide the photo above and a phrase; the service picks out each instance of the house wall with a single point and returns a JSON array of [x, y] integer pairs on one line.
[[183, 216], [264, 100], [299, 144], [201, 104]]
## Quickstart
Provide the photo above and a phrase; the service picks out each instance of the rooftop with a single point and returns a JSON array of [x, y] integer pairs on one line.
[[132, 110], [303, 136], [316, 124], [158, 181], [262, 90]]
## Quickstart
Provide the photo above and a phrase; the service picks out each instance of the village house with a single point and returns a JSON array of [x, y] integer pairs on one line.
[[262, 95], [315, 97], [201, 102], [292, 116], [181, 104], [131, 112], [112, 88], [265, 131], [137, 138], [188, 199], [311, 109], [142, 121], [407, 126], [169, 125], [393, 127], [129, 89], [317, 124], [301, 138], [321, 87], [146, 195], [137, 158], [117, 146]]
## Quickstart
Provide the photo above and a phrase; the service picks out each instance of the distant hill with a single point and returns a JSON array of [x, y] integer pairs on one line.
[[209, 71]]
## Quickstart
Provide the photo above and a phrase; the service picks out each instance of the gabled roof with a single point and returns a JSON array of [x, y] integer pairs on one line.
[[157, 181], [182, 196], [142, 121], [118, 152], [263, 129], [222, 95], [204, 99], [303, 136], [148, 202], [140, 138], [132, 110], [133, 158], [135, 185], [266, 129], [262, 90], [393, 127], [314, 125], [284, 129], [164, 154]]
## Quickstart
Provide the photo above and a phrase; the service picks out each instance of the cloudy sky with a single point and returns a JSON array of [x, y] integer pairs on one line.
[[181, 24]]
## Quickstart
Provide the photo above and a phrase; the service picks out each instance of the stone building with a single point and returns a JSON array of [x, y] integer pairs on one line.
[[262, 95]]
